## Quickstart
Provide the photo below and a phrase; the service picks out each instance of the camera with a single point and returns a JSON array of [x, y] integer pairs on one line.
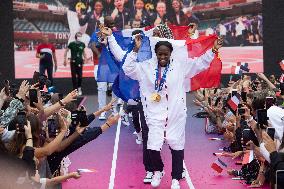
[[261, 118], [21, 121], [52, 127], [241, 111], [246, 136], [79, 116]]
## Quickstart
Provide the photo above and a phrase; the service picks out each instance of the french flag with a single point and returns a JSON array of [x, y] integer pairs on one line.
[[248, 157], [233, 102], [240, 68], [125, 88], [86, 170], [219, 165]]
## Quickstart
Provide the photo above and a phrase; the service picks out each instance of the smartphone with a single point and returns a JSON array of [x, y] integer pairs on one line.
[[52, 127], [74, 118], [234, 92], [269, 101], [21, 120], [279, 179], [261, 117], [246, 136], [83, 119], [271, 132], [241, 111], [244, 96], [33, 97]]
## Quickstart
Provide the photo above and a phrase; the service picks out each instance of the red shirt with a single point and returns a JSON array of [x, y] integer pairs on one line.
[[46, 49]]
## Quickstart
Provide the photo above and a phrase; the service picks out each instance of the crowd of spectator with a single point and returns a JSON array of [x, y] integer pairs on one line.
[[38, 129], [249, 114], [242, 31]]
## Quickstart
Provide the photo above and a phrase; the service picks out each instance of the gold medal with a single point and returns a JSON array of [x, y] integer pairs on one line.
[[156, 97]]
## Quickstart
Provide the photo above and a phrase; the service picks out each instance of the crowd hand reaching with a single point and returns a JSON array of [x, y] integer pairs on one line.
[[109, 105], [2, 129], [80, 130], [236, 154], [261, 76], [268, 142], [39, 104], [3, 95], [75, 175], [70, 97], [218, 43], [62, 124], [24, 88], [66, 115], [250, 145], [138, 43], [28, 130], [113, 119]]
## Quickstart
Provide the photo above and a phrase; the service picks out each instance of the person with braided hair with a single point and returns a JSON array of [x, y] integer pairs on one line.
[[162, 80]]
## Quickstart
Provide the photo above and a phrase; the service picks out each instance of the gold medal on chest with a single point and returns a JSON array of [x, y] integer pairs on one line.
[[156, 97]]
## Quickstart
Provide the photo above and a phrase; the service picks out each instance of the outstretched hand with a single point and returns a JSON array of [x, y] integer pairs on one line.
[[109, 105]]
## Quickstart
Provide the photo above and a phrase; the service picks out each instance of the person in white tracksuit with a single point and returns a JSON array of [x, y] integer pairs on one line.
[[164, 103]]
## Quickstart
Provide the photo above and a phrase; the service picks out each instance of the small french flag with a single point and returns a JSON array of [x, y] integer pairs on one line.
[[240, 68], [248, 157], [86, 170], [234, 102], [219, 165]]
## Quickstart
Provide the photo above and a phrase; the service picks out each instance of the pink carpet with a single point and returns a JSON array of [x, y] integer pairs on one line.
[[130, 171]]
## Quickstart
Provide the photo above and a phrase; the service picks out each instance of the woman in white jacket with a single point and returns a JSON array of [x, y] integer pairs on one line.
[[162, 81]]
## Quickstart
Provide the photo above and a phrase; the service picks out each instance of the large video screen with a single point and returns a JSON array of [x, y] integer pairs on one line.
[[238, 21]]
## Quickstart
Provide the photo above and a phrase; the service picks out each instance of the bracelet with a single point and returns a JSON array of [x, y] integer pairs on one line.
[[249, 120], [108, 125], [20, 99], [29, 138], [61, 103]]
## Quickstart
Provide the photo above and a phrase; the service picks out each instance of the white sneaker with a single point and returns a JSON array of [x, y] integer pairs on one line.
[[134, 133], [157, 177], [139, 139], [148, 177], [130, 115], [175, 184], [102, 116], [80, 91]]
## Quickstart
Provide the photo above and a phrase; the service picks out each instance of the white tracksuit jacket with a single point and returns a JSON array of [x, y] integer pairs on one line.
[[166, 119]]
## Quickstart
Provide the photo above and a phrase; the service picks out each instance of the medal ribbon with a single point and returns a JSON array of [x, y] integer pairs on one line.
[[159, 82]]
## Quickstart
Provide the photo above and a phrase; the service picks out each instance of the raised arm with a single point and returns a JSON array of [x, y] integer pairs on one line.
[[199, 64], [131, 67], [115, 49]]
